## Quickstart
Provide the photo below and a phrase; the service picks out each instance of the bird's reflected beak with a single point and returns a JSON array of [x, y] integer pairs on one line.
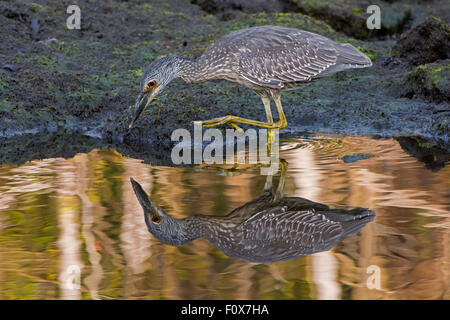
[[142, 102], [144, 200]]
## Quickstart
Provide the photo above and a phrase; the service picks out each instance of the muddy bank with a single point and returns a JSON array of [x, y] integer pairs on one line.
[[434, 157], [63, 144], [53, 79]]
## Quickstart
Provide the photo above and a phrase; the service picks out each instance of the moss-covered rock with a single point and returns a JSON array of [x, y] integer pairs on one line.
[[227, 9], [422, 9], [431, 81], [290, 19], [424, 43], [432, 155], [349, 16]]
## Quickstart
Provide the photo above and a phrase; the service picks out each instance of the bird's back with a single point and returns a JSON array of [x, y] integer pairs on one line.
[[266, 200], [277, 234], [268, 230], [279, 57]]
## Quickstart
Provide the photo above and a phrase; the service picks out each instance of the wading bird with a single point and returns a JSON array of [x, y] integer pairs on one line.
[[267, 229], [267, 59]]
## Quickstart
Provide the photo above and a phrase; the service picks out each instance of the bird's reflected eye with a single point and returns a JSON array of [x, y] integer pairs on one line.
[[156, 219], [149, 85]]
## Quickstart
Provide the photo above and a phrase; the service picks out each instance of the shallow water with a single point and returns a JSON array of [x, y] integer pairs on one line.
[[58, 216]]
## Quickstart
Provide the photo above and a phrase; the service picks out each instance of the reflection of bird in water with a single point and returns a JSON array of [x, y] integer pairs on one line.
[[267, 229], [266, 59]]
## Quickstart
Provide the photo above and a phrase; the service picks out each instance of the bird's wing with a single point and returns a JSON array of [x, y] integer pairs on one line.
[[297, 229], [264, 201], [272, 56]]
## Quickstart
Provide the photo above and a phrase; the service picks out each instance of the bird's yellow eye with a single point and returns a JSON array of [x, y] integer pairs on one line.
[[150, 85]]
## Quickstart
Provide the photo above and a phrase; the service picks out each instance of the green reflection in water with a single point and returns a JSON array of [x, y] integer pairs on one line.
[[29, 253], [119, 259]]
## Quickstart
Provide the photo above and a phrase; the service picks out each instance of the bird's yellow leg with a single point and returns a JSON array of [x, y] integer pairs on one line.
[[235, 126], [271, 132], [281, 124], [280, 187], [270, 139], [282, 118], [266, 101], [233, 119], [268, 184]]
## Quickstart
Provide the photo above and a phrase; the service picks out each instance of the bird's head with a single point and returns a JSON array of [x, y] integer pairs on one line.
[[163, 227], [153, 81]]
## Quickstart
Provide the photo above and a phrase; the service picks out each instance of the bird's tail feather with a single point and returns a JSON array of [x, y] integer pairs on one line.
[[358, 222], [352, 221], [348, 58], [349, 55]]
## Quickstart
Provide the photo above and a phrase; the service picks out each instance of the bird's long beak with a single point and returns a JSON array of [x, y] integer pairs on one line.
[[144, 200], [142, 102]]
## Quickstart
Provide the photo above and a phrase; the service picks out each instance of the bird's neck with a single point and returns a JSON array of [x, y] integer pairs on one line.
[[180, 231], [184, 232], [208, 227], [190, 70]]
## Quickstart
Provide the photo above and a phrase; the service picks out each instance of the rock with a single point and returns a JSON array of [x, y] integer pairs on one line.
[[49, 40], [350, 158], [9, 67], [431, 81], [35, 26], [424, 43], [437, 8], [224, 8], [11, 12], [433, 156], [349, 16]]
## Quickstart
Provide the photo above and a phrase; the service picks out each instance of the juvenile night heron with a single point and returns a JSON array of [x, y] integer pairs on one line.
[[267, 229], [266, 59]]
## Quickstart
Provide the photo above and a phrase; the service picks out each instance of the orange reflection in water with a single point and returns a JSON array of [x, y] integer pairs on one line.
[[59, 213]]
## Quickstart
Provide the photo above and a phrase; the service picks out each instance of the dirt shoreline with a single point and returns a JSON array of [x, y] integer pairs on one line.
[[54, 79]]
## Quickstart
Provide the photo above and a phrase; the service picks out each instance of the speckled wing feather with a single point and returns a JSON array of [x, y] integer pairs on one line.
[[287, 233], [276, 56], [279, 57], [266, 200]]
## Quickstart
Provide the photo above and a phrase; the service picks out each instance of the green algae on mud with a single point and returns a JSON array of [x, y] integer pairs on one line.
[[349, 16], [88, 79], [431, 81], [83, 74]]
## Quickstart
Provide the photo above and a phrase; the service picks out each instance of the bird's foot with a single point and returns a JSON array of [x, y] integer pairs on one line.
[[233, 119], [272, 127]]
